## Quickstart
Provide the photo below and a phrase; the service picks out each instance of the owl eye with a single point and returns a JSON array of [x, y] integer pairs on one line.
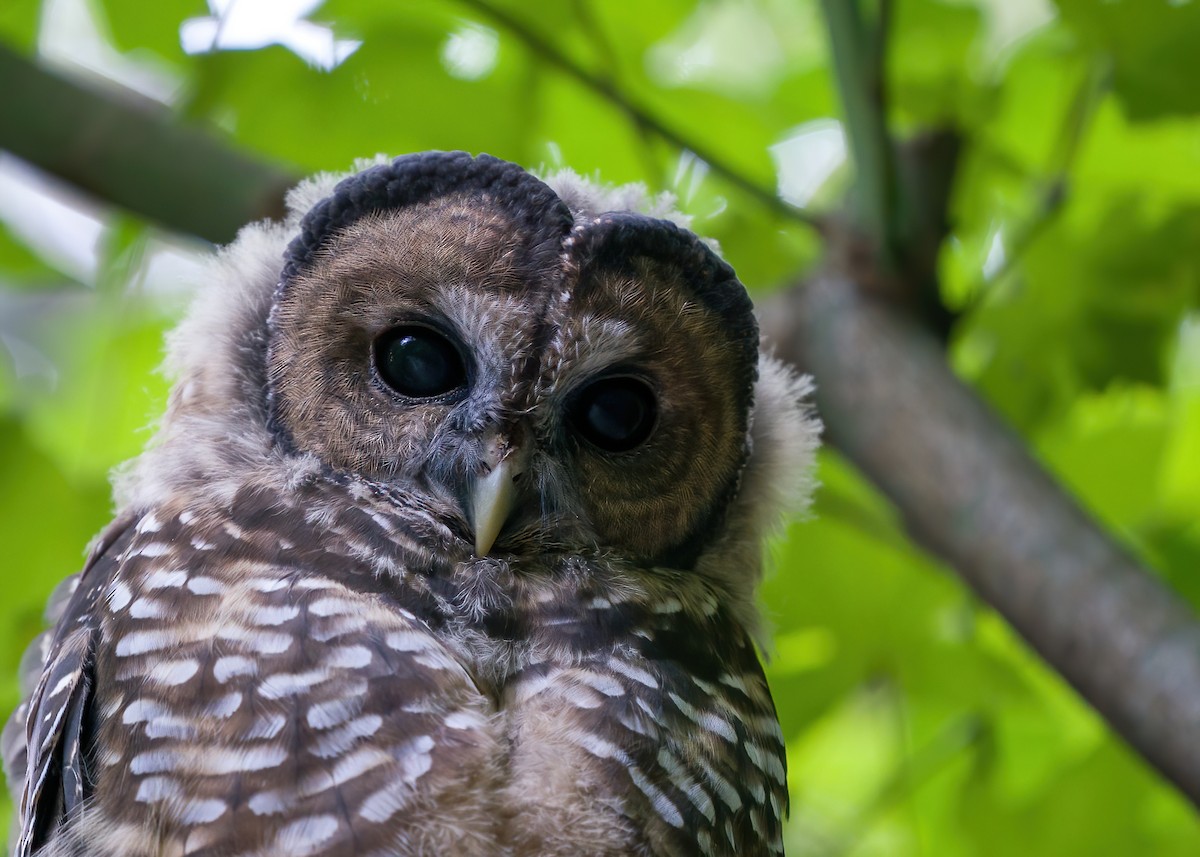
[[419, 362], [614, 414]]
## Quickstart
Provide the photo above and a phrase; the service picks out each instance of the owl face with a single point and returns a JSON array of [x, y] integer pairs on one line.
[[540, 383]]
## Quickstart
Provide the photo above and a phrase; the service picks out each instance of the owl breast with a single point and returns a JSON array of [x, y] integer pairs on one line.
[[258, 696]]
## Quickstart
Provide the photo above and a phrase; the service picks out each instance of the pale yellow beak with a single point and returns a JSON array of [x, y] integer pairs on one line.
[[492, 501]]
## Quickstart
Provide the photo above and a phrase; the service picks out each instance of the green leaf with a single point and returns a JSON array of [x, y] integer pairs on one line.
[[932, 45], [107, 354], [20, 266], [152, 26], [1101, 303], [19, 23], [1152, 44]]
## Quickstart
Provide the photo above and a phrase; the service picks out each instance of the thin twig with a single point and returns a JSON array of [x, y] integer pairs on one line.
[[612, 73], [1054, 191], [640, 114]]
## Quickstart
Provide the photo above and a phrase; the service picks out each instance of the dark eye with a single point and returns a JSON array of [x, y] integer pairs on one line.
[[419, 362], [615, 414]]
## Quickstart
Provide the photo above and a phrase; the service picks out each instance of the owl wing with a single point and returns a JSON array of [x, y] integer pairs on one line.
[[44, 741], [672, 728], [706, 758], [225, 687], [718, 778]]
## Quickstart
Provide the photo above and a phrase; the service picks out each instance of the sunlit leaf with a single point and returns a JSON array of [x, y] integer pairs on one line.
[[1152, 45]]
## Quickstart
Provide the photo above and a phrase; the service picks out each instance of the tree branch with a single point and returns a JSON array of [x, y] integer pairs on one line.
[[131, 152], [970, 493], [640, 115]]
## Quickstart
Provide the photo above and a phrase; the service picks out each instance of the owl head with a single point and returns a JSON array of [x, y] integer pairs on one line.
[[542, 365]]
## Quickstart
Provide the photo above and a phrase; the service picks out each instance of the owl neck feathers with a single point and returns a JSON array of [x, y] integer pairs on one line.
[[777, 484]]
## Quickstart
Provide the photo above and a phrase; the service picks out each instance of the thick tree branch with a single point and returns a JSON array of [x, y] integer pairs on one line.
[[133, 153], [970, 493]]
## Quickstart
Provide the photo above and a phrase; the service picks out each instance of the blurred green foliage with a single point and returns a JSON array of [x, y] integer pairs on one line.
[[917, 723]]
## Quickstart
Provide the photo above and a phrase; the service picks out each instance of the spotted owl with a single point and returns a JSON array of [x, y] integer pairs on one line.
[[446, 545]]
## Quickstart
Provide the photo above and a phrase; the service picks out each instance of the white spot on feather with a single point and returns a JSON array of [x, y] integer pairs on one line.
[[705, 719], [465, 720], [153, 789], [408, 641], [170, 726], [339, 740], [233, 665], [202, 585], [223, 761], [141, 710], [164, 579], [141, 642], [118, 596], [663, 805], [306, 835], [201, 811], [350, 768], [324, 715], [387, 801], [224, 706], [349, 657], [172, 673], [628, 670], [668, 605], [147, 608], [333, 607], [270, 616], [265, 726], [257, 640], [267, 803], [600, 748], [604, 684], [291, 684]]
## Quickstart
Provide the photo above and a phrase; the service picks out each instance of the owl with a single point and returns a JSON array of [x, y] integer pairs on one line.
[[446, 545]]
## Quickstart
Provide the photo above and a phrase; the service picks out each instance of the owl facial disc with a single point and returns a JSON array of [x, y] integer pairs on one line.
[[443, 326]]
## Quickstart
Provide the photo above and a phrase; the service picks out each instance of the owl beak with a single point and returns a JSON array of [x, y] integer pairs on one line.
[[492, 500], [493, 497]]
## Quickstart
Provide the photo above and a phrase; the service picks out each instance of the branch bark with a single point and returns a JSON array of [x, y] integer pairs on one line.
[[130, 151], [971, 494]]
